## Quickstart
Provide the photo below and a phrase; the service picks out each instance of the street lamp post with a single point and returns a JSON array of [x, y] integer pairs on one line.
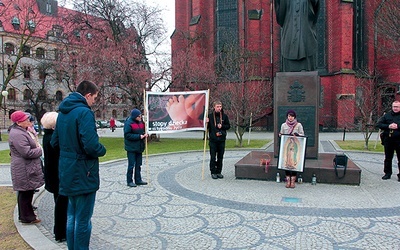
[[4, 93]]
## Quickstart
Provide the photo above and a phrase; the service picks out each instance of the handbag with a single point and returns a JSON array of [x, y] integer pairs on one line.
[[340, 161]]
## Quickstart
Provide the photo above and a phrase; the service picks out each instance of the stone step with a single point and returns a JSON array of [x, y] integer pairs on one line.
[[249, 167]]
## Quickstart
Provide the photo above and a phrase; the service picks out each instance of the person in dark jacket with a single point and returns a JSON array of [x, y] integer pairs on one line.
[[390, 124], [50, 170], [76, 135], [134, 136], [26, 165], [217, 125]]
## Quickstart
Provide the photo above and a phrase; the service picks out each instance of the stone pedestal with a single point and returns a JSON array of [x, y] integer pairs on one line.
[[249, 167], [299, 91]]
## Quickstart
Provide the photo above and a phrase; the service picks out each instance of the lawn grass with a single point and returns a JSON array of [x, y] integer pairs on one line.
[[5, 157], [9, 236], [360, 145], [4, 136], [4, 154], [115, 146]]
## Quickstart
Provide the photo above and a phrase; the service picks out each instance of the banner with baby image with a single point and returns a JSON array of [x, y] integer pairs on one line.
[[169, 112]]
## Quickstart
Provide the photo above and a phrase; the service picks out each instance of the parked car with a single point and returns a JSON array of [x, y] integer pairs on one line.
[[119, 124], [103, 124]]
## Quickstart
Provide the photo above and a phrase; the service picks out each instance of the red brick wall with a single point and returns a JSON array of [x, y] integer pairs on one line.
[[338, 105]]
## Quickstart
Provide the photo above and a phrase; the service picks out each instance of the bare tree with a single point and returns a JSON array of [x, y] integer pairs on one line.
[[366, 93], [192, 72], [387, 18], [25, 22], [232, 77], [246, 94], [386, 31], [130, 32]]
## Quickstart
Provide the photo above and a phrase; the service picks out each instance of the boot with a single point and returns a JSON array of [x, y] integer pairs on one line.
[[292, 181], [287, 182]]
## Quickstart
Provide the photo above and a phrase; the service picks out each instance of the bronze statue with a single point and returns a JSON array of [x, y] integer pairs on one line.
[[298, 40]]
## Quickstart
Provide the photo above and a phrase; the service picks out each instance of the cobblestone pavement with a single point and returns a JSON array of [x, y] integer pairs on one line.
[[183, 208]]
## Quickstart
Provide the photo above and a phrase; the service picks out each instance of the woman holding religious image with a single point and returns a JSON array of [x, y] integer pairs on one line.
[[291, 127]]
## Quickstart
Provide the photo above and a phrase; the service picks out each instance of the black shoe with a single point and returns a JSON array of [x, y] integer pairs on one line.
[[131, 184], [32, 222], [220, 176], [386, 177], [61, 239], [214, 176], [141, 183]]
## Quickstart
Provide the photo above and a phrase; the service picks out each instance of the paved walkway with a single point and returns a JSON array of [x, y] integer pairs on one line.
[[181, 210]]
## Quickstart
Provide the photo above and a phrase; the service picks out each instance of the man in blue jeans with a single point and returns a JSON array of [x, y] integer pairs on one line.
[[134, 136], [76, 135]]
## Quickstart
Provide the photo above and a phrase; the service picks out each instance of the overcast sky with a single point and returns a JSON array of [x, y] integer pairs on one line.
[[169, 5], [169, 17]]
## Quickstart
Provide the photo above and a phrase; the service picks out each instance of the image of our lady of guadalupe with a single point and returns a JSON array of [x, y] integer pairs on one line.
[[291, 154]]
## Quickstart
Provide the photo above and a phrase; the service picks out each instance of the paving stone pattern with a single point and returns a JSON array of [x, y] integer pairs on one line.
[[180, 209]]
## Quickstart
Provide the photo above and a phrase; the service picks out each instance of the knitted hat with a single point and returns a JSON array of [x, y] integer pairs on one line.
[[49, 120], [135, 113], [19, 116], [291, 112]]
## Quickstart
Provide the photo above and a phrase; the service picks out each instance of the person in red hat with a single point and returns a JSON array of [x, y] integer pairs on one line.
[[26, 165]]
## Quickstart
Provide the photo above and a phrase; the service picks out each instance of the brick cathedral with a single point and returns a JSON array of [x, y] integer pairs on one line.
[[350, 55]]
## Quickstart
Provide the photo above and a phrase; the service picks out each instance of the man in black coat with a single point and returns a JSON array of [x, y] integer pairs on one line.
[[217, 125], [390, 124]]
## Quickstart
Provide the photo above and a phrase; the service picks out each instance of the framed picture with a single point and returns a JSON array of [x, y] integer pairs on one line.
[[292, 153]]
